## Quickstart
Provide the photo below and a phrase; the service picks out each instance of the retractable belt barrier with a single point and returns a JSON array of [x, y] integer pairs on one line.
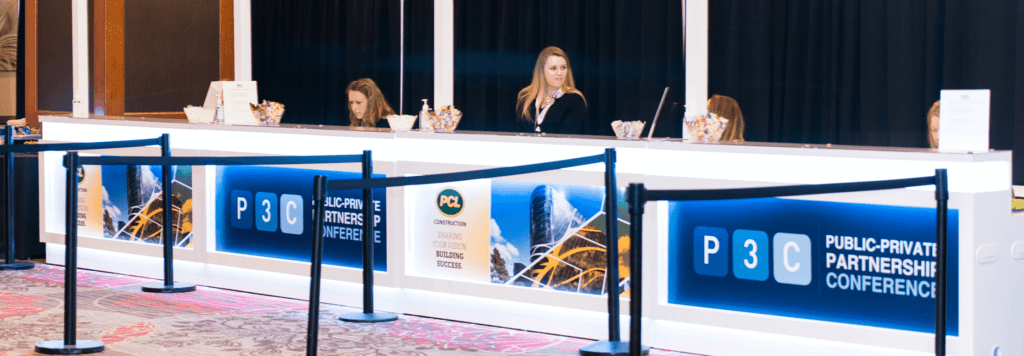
[[70, 345], [169, 286], [637, 195], [8, 149], [321, 185]]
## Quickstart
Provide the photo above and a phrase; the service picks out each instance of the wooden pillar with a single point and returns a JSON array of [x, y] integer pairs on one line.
[[227, 39], [108, 57], [31, 67]]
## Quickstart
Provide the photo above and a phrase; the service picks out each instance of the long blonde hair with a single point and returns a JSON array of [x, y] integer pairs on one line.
[[727, 107], [539, 85], [376, 106], [933, 112]]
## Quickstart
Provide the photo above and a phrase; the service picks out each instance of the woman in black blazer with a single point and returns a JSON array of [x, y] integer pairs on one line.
[[551, 103]]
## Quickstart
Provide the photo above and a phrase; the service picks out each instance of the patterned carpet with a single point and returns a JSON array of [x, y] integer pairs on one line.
[[211, 321]]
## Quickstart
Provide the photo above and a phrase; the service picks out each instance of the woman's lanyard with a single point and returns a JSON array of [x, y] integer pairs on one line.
[[542, 113]]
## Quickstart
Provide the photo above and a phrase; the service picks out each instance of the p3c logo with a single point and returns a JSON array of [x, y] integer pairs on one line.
[[791, 258], [267, 211]]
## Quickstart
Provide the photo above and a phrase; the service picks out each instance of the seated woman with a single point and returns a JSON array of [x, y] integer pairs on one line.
[[366, 104], [727, 108], [551, 103], [933, 125]]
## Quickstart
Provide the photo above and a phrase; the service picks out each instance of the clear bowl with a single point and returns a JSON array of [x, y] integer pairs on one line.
[[628, 130]]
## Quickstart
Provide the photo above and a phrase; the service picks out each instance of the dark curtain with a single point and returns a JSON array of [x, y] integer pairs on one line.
[[623, 54], [864, 72], [306, 52]]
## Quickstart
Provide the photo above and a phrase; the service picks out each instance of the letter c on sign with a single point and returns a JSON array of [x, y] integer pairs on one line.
[[288, 212], [785, 256], [707, 250], [242, 206]]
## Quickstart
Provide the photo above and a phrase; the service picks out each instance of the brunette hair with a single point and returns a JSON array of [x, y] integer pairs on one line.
[[933, 112], [376, 106], [727, 108], [539, 85]]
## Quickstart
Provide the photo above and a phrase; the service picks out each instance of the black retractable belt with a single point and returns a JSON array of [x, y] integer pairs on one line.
[[368, 315], [167, 231], [614, 345], [637, 196], [9, 263], [70, 345]]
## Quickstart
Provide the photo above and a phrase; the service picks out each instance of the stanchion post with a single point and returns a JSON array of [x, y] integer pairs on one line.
[[614, 345], [70, 345], [313, 330], [9, 262], [941, 202], [637, 196], [167, 231], [368, 315]]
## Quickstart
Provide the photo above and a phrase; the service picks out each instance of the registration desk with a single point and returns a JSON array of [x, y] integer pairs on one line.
[[835, 274]]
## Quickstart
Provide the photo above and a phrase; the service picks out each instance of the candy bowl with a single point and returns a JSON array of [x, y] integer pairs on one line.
[[445, 119], [704, 128], [268, 112], [401, 122], [628, 130]]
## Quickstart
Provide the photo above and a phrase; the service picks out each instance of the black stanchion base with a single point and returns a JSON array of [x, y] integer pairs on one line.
[[368, 318], [160, 287], [606, 348], [16, 266], [57, 347]]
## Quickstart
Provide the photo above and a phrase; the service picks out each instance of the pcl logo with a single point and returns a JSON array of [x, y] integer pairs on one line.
[[450, 202], [287, 211]]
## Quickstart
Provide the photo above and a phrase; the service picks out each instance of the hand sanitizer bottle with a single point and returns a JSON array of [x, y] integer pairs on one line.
[[218, 117], [425, 117]]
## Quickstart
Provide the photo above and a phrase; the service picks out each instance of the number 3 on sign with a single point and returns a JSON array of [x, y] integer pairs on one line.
[[749, 250]]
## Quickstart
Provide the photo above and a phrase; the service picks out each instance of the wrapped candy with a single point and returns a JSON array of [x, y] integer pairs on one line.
[[629, 130], [268, 112], [705, 128], [445, 119]]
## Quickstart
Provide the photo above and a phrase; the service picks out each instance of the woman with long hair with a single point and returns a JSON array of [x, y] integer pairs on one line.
[[727, 108], [551, 103], [933, 125], [366, 104]]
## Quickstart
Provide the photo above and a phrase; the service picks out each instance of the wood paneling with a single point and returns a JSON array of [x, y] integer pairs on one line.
[[108, 57], [31, 78]]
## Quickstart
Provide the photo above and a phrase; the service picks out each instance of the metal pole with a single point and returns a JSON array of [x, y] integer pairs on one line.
[[167, 231], [319, 195], [941, 201], [637, 198], [368, 315], [367, 236], [9, 193], [614, 345], [168, 228], [9, 262], [611, 215], [70, 250], [70, 346]]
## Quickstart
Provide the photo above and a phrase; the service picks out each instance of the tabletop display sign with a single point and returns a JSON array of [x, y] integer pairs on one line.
[[871, 265], [126, 203], [267, 211], [964, 120], [237, 97], [536, 235]]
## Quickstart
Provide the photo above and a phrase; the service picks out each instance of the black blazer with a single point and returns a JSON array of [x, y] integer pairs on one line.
[[565, 116]]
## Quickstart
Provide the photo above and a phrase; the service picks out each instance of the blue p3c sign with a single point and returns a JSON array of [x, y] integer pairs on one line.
[[267, 211], [791, 258]]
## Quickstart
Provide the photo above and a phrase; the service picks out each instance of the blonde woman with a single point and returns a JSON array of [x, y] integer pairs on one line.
[[366, 104], [727, 108], [933, 125], [551, 103]]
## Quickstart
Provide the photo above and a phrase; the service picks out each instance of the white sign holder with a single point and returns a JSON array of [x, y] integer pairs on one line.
[[964, 121]]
